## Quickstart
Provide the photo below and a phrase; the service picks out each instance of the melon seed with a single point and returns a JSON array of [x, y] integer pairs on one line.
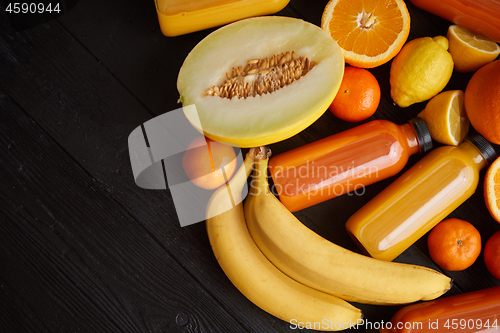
[[262, 76]]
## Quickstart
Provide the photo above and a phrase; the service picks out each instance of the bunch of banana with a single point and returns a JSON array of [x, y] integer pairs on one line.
[[254, 275], [318, 263]]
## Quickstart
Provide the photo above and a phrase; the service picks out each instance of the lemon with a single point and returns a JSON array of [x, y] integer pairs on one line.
[[421, 70], [470, 51], [446, 118]]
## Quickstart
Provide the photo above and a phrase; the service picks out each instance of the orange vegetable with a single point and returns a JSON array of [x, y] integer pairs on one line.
[[480, 16], [346, 161], [476, 311]]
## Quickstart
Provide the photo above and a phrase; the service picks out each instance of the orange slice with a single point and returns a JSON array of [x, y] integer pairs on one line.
[[370, 32], [492, 189]]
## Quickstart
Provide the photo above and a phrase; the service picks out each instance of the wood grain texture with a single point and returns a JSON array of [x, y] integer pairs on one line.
[[92, 127]]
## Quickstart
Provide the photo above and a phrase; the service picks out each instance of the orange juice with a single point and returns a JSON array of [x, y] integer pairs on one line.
[[178, 17], [420, 198], [480, 16], [346, 161]]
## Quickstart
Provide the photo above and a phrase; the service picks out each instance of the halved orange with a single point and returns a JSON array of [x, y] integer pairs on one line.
[[492, 189], [370, 32]]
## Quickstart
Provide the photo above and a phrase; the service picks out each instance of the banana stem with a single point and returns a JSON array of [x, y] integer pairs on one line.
[[235, 185]]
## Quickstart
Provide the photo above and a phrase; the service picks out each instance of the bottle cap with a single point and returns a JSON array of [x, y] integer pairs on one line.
[[484, 147], [423, 134]]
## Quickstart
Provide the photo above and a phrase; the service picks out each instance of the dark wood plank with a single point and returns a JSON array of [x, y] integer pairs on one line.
[[76, 258], [130, 45]]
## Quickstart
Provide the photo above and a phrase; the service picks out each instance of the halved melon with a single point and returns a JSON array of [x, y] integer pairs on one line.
[[260, 80]]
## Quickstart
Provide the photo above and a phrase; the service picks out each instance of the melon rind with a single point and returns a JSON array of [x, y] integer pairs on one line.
[[272, 117]]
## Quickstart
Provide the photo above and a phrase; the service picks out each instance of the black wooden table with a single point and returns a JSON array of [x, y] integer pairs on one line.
[[82, 247]]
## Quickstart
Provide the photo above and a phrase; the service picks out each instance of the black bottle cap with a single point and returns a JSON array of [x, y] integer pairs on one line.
[[484, 147], [423, 134]]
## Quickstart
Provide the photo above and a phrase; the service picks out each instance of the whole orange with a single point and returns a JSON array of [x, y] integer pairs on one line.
[[209, 164], [358, 96], [482, 101], [492, 189], [454, 244], [492, 254]]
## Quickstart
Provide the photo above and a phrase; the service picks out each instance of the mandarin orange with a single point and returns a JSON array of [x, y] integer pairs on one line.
[[358, 96]]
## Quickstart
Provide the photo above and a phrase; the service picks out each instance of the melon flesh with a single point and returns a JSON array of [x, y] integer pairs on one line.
[[272, 117]]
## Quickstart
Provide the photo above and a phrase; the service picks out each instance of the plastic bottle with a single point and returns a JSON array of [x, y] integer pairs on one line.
[[346, 161], [420, 198], [179, 17], [480, 16], [471, 312]]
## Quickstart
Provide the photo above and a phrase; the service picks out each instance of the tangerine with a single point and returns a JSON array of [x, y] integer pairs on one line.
[[358, 96], [209, 164], [454, 244], [481, 100], [492, 189], [371, 32], [492, 254]]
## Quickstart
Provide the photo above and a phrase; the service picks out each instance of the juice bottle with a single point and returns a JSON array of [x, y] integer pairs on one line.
[[346, 161], [178, 17], [471, 312], [420, 198], [480, 16]]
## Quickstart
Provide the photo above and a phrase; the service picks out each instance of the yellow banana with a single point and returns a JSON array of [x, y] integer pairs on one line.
[[259, 280], [314, 261]]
